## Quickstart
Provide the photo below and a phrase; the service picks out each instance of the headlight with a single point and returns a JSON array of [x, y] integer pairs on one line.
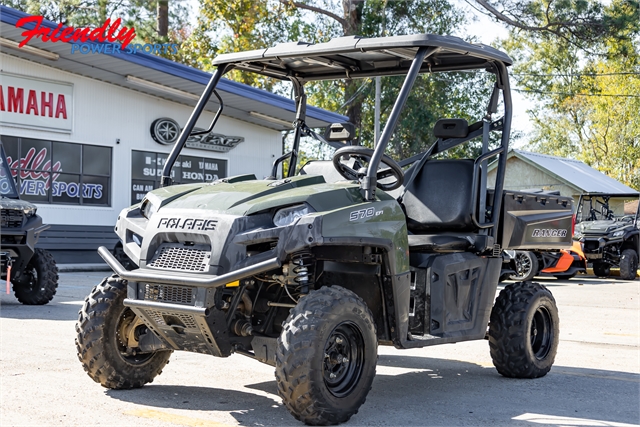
[[29, 212], [148, 208], [288, 215], [618, 233]]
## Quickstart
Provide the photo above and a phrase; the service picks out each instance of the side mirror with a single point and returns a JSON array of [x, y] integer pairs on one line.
[[340, 132]]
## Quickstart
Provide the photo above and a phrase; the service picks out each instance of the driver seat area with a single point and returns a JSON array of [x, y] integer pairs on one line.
[[439, 205]]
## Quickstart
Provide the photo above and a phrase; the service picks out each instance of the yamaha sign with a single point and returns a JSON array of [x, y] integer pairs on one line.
[[166, 131]]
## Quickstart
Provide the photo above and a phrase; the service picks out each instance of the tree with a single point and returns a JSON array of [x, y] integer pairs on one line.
[[579, 62], [244, 24]]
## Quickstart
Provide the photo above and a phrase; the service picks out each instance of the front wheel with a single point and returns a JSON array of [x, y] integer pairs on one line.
[[628, 264], [524, 331], [105, 327], [39, 281], [601, 269], [326, 356]]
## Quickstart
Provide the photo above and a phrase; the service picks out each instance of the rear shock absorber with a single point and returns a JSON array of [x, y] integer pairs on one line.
[[300, 271]]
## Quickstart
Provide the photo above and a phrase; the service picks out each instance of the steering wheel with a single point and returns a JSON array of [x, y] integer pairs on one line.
[[363, 153]]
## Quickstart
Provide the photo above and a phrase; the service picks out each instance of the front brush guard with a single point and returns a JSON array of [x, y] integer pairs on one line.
[[190, 323]]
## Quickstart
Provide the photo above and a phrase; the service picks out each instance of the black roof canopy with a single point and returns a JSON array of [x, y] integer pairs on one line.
[[354, 57]]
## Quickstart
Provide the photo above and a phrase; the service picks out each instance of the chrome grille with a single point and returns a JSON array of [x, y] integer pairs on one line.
[[168, 293], [161, 317], [174, 257], [12, 218]]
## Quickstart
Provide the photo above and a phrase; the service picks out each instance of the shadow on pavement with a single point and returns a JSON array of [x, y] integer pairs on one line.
[[10, 308], [246, 407], [429, 392]]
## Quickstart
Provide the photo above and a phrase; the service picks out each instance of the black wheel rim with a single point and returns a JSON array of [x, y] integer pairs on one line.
[[541, 335], [31, 273], [126, 320], [343, 359]]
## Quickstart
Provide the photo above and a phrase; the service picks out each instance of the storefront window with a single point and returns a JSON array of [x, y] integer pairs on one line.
[[146, 171], [60, 172]]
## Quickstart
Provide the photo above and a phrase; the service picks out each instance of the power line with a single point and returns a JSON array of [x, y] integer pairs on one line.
[[617, 95], [631, 73]]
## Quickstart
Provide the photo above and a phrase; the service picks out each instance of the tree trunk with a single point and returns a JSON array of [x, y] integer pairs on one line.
[[163, 18]]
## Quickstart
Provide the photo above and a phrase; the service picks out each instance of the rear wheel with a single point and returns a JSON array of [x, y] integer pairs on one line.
[[628, 264], [39, 281], [526, 266], [600, 269], [524, 331], [104, 329], [326, 356]]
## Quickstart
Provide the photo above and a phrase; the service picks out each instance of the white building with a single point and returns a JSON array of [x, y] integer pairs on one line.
[[87, 134]]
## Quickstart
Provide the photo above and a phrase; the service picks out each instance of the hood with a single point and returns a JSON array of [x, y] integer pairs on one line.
[[245, 195], [600, 226], [16, 204]]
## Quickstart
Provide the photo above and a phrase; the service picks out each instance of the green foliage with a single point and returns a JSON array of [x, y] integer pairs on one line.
[[243, 25], [584, 81]]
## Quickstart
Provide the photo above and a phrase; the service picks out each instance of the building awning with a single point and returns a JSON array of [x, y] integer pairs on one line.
[[157, 76]]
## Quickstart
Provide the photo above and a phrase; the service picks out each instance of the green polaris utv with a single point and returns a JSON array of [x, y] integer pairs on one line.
[[311, 272]]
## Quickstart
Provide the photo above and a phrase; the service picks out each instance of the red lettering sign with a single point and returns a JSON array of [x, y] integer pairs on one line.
[[103, 33], [15, 99], [15, 103]]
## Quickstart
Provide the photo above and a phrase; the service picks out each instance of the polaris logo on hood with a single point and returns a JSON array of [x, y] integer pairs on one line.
[[189, 223], [549, 232]]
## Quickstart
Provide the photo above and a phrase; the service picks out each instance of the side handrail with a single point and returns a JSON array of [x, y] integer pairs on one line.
[[476, 190]]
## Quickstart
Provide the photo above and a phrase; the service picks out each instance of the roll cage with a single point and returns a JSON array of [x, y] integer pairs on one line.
[[355, 57]]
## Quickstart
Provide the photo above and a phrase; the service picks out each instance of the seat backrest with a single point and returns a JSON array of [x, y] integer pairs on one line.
[[440, 197]]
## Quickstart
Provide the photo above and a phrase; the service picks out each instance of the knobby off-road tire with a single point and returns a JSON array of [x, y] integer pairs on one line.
[[628, 264], [317, 385], [529, 262], [100, 344], [38, 283], [524, 331], [600, 269]]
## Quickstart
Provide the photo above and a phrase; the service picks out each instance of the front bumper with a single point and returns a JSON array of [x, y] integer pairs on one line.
[[19, 242], [180, 307]]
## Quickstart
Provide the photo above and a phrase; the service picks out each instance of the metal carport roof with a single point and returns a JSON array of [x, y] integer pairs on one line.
[[577, 174]]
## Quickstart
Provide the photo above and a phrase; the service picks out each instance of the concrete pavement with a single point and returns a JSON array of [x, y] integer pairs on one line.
[[595, 380]]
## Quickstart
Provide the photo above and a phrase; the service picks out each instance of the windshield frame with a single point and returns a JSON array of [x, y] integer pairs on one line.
[[595, 204]]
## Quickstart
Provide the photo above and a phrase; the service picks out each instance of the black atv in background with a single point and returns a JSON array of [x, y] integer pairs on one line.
[[610, 236], [32, 271]]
